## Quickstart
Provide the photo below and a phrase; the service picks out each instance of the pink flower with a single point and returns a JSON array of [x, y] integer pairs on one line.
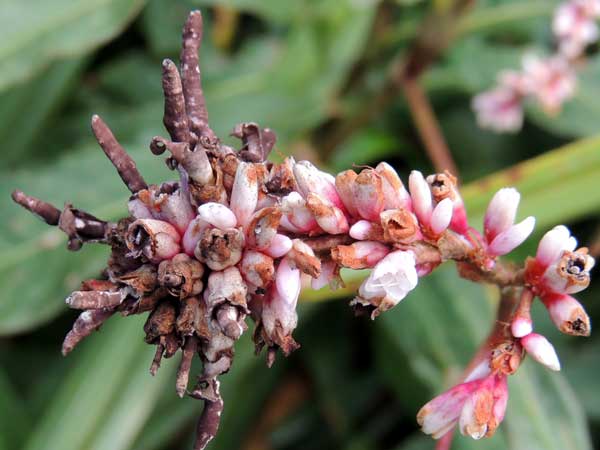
[[575, 27], [499, 109], [433, 219], [244, 193], [390, 281], [478, 406], [551, 80], [312, 180], [501, 234], [541, 350], [395, 194]]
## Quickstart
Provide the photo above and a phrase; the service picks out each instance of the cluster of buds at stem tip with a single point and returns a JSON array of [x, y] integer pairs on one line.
[[550, 81], [236, 237]]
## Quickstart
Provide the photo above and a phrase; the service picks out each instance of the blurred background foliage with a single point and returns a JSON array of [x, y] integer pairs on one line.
[[316, 72]]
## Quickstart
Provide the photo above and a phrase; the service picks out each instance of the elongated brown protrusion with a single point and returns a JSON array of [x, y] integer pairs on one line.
[[118, 156], [175, 117], [94, 299], [86, 323], [208, 424], [195, 105], [45, 211], [183, 373]]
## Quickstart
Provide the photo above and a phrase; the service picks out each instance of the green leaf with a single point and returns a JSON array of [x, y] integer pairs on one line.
[[15, 422], [555, 187], [38, 32], [106, 395], [438, 329]]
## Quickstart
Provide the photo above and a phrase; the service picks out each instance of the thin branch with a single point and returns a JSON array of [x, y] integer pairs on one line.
[[175, 117], [45, 211]]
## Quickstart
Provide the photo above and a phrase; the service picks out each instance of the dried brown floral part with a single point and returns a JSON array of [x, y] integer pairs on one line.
[[43, 210], [142, 280], [189, 317], [195, 162], [94, 299], [214, 191], [161, 322], [86, 323], [166, 346], [81, 227], [154, 239], [169, 203], [175, 117], [195, 104], [399, 226], [181, 275], [220, 249], [281, 180], [257, 142], [443, 185], [303, 257], [360, 255], [572, 271], [262, 227], [208, 424], [506, 356], [330, 218], [118, 156], [183, 372], [368, 198], [137, 305], [228, 287]]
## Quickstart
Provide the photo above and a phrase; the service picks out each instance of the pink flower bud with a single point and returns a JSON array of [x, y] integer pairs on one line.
[[344, 184], [287, 281], [279, 246], [193, 234], [511, 238], [303, 257], [567, 314], [257, 268], [244, 193], [501, 212], [521, 326], [218, 215], [155, 239], [360, 255], [541, 350], [312, 180], [297, 217], [329, 272], [441, 216], [444, 186], [551, 80], [364, 230], [368, 194], [553, 244], [138, 210], [421, 196], [395, 194], [574, 26], [167, 203], [263, 226], [330, 218]]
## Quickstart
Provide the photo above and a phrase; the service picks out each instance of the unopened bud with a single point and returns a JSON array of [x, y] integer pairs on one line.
[[244, 194], [360, 255], [297, 217], [257, 268], [344, 184], [279, 246], [395, 194], [368, 194], [303, 257], [262, 227], [330, 218], [567, 314], [218, 215], [226, 286], [220, 249], [541, 350]]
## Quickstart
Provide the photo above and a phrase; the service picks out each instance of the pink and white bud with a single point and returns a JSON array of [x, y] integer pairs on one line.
[[154, 239], [303, 257], [279, 246], [312, 180], [138, 210], [444, 186], [521, 326], [541, 350], [169, 205], [360, 255], [344, 184], [552, 81], [499, 109], [568, 314], [570, 273], [368, 194], [193, 234], [218, 215], [395, 194], [244, 193], [330, 218], [287, 282], [257, 268], [364, 230], [553, 244], [263, 226], [442, 216], [511, 238], [420, 195], [329, 273], [296, 215], [501, 212], [389, 282]]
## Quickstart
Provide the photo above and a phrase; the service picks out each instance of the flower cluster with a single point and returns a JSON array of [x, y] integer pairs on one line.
[[550, 81], [237, 236]]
